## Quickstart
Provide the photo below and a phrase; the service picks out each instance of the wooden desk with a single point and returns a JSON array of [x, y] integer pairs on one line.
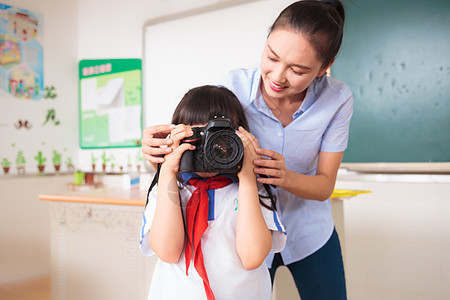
[[116, 196]]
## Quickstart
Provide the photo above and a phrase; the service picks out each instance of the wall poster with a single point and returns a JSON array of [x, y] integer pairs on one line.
[[21, 54], [110, 103]]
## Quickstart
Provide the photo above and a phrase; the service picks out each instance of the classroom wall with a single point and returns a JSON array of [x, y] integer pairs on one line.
[[25, 221], [60, 65], [25, 226]]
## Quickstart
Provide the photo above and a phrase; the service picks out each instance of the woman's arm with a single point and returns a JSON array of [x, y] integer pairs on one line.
[[167, 231], [313, 187], [253, 238]]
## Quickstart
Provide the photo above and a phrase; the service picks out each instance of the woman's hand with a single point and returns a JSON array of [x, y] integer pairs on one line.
[[250, 155], [272, 168], [315, 187], [152, 139]]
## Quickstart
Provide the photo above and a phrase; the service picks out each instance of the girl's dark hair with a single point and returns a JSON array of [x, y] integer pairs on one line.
[[321, 21], [201, 104]]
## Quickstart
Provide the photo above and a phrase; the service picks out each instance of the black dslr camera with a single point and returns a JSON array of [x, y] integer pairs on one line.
[[217, 149]]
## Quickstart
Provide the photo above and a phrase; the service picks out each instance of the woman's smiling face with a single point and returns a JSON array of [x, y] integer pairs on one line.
[[288, 65]]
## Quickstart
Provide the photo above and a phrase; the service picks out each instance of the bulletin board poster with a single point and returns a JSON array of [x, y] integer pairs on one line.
[[110, 103], [21, 54]]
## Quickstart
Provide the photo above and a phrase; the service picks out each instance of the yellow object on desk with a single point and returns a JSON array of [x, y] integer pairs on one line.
[[347, 193]]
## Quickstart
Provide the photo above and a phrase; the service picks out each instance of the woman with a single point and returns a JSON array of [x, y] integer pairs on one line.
[[301, 120]]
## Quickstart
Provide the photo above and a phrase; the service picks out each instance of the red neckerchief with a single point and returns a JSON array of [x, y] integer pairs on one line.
[[197, 222]]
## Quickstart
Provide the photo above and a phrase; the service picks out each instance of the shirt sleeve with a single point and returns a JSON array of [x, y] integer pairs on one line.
[[147, 220], [274, 224], [335, 138]]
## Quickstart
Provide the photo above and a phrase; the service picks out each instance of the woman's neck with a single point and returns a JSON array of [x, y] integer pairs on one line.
[[284, 108]]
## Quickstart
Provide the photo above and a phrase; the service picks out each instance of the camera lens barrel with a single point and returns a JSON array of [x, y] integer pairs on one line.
[[224, 151], [218, 149]]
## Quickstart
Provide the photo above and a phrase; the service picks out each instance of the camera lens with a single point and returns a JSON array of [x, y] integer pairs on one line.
[[224, 149]]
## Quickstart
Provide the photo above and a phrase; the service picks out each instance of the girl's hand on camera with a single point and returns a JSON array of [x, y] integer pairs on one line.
[[250, 145], [172, 159]]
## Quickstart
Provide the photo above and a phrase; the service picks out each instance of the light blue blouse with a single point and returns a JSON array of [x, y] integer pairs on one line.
[[320, 124]]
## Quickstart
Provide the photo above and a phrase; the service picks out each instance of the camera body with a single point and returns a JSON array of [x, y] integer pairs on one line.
[[217, 148]]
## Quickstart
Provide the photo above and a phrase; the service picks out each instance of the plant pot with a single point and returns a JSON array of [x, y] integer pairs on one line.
[[6, 170], [104, 167], [70, 168], [93, 167], [78, 178], [138, 168], [57, 168], [41, 168], [89, 178]]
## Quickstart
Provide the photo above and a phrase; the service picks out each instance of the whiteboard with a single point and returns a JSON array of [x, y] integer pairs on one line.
[[199, 47]]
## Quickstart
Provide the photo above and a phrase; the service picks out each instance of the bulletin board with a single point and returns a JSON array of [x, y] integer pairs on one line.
[[110, 103]]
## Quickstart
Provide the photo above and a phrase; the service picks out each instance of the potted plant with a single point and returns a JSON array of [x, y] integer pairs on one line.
[[93, 161], [129, 164], [139, 159], [113, 162], [20, 162], [105, 159], [40, 160], [56, 160], [6, 165], [69, 164]]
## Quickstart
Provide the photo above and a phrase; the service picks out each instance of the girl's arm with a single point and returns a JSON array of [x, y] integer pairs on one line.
[[313, 187], [167, 230], [253, 238]]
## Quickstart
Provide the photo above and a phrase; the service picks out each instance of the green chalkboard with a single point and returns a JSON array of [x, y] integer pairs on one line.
[[396, 60]]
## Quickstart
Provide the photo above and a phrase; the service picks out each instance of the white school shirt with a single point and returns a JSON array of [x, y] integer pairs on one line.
[[228, 278], [320, 124]]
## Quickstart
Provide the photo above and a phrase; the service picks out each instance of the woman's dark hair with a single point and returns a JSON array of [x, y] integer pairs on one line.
[[201, 104], [321, 21]]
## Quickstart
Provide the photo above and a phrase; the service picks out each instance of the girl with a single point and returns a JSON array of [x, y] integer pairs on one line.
[[215, 245]]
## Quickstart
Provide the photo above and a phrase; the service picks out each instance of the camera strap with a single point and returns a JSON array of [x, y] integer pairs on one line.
[[154, 181], [272, 198]]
